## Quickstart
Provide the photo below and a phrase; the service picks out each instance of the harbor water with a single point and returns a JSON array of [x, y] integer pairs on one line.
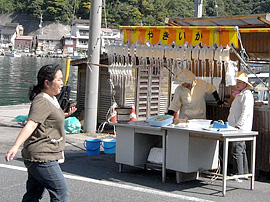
[[18, 74]]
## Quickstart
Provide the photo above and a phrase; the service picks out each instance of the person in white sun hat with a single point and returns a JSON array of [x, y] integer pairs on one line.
[[189, 96], [241, 117]]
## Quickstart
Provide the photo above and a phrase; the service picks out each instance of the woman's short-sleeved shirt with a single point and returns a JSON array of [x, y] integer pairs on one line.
[[47, 142]]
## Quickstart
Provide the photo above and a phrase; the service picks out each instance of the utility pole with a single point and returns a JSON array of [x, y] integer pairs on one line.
[[105, 15], [40, 25], [198, 8], [216, 7], [92, 72]]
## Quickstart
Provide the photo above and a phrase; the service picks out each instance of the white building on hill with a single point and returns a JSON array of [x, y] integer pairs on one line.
[[80, 30]]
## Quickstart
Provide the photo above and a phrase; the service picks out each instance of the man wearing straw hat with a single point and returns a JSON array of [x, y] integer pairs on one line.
[[189, 96], [241, 117]]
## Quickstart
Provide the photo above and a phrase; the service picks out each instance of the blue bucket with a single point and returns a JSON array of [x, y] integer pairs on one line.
[[109, 146], [92, 146]]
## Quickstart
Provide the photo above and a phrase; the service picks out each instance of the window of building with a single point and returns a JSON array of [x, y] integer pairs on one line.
[[83, 41], [69, 42], [84, 32]]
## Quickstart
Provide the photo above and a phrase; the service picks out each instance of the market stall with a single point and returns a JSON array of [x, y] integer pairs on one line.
[[207, 51], [154, 55], [204, 50]]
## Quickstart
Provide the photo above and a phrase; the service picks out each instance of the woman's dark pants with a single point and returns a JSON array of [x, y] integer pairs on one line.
[[240, 162], [41, 176]]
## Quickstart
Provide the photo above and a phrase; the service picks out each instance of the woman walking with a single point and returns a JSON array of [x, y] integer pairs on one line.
[[44, 138]]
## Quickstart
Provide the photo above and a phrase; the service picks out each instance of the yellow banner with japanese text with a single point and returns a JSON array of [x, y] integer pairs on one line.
[[207, 35]]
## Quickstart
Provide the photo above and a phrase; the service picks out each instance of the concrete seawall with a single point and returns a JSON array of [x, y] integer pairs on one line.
[[10, 112]]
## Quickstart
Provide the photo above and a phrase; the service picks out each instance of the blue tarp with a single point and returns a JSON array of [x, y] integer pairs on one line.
[[21, 118]]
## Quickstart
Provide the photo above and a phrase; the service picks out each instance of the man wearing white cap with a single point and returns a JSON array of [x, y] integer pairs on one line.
[[189, 96], [241, 117]]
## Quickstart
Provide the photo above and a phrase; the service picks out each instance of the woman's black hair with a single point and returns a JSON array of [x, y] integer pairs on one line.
[[46, 72]]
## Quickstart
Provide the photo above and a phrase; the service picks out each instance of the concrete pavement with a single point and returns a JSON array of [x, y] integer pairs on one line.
[[10, 112], [96, 178]]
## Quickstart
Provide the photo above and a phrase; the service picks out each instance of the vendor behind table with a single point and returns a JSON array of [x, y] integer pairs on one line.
[[241, 117], [189, 96]]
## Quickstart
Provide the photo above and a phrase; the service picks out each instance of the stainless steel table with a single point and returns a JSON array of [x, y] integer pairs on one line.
[[135, 139], [226, 137]]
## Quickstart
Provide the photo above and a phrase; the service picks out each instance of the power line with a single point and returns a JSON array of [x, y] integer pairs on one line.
[[105, 18]]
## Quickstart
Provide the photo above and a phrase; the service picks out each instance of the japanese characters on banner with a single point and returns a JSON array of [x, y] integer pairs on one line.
[[193, 35]]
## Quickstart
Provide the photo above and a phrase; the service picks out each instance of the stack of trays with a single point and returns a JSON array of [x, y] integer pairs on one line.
[[123, 113]]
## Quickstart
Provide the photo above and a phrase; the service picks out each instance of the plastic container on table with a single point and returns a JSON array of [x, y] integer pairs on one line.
[[160, 120], [199, 123]]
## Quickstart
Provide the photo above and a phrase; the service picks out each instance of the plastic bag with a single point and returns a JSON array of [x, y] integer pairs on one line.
[[231, 73], [72, 125], [21, 118]]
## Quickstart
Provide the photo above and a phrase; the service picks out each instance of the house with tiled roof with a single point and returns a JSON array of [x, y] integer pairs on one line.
[[49, 38], [22, 42], [68, 43]]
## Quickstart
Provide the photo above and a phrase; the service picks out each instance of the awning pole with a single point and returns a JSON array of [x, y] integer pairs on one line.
[[248, 68], [67, 70], [269, 85]]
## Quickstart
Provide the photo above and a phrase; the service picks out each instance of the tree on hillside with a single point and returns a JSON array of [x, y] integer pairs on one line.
[[59, 10], [148, 12], [261, 6], [214, 8], [6, 6], [36, 8], [160, 12], [19, 5], [180, 8], [83, 9], [123, 14]]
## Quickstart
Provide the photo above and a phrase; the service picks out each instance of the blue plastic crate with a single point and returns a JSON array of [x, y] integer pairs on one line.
[[217, 124]]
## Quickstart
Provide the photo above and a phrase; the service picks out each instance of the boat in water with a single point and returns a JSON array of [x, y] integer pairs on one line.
[[76, 57], [13, 54]]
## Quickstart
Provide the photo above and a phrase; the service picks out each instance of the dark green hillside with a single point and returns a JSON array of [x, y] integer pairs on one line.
[[29, 22], [131, 12]]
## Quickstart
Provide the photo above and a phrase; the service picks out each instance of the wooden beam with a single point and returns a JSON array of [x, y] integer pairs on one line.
[[213, 137], [234, 17], [264, 20]]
